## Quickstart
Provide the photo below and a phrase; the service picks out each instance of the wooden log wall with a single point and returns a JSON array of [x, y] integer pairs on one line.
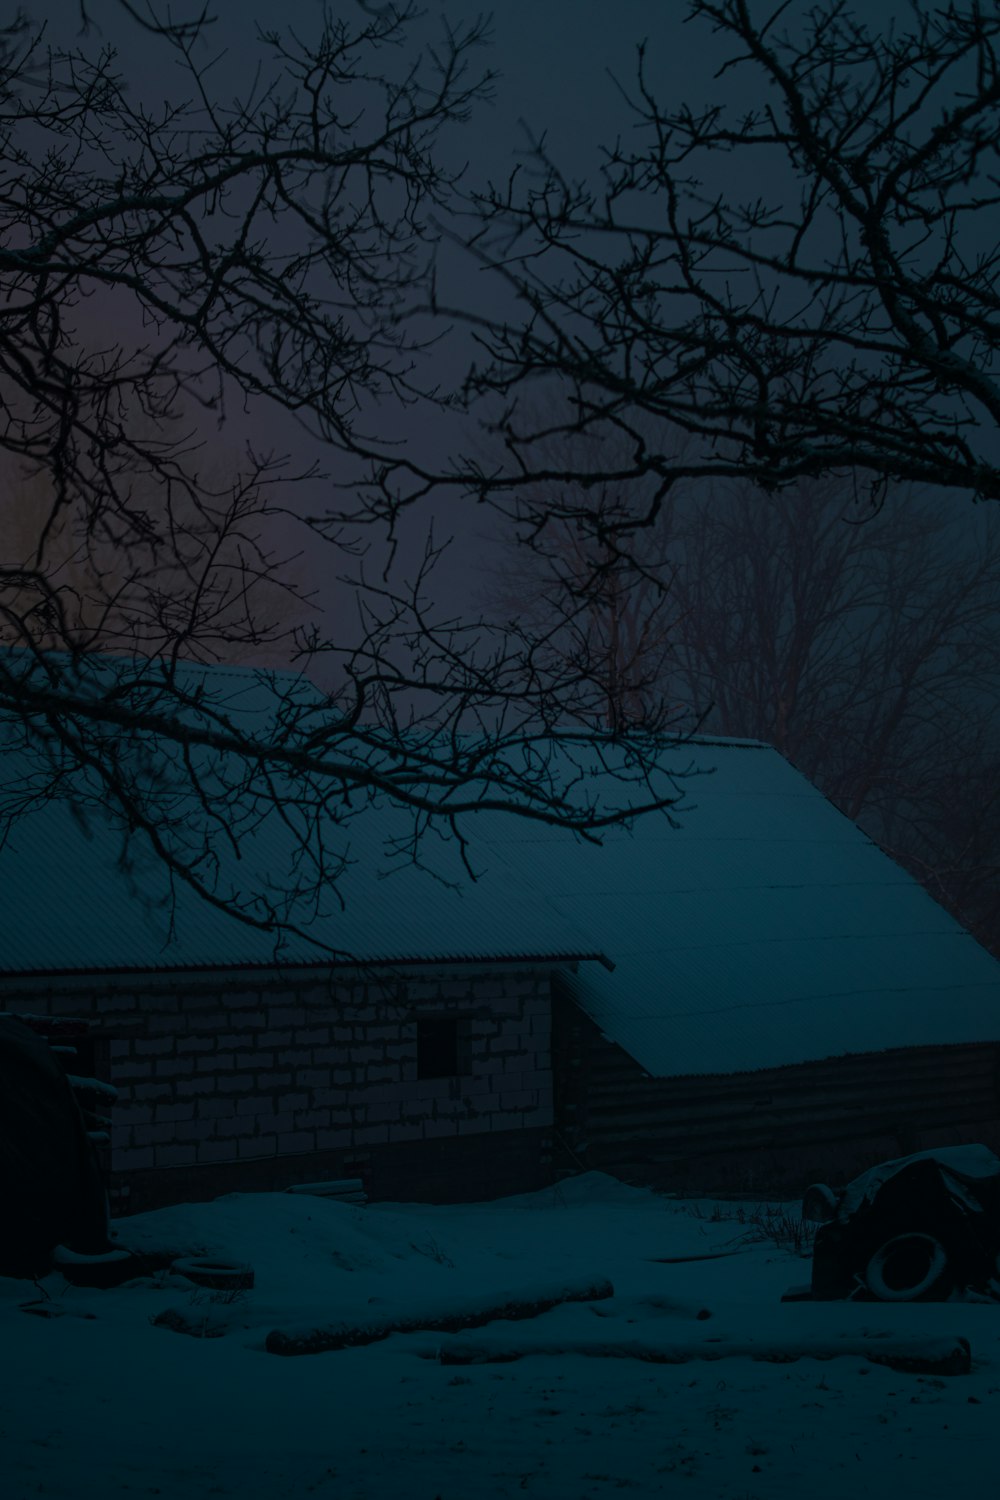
[[769, 1132]]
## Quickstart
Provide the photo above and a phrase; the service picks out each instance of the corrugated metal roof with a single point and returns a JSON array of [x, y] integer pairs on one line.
[[765, 930], [69, 904]]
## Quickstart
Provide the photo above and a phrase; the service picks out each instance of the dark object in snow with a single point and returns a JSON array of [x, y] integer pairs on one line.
[[217, 1275], [913, 1230], [51, 1188], [194, 1321], [505, 1305], [46, 1308]]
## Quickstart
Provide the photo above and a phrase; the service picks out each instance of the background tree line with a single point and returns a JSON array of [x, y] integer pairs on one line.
[[863, 646]]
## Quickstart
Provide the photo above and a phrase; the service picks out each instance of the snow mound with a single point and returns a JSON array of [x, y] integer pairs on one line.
[[285, 1236]]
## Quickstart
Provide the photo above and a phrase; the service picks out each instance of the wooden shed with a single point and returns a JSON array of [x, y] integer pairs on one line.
[[770, 1132]]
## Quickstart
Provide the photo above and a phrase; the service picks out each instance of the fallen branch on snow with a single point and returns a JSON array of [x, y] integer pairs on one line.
[[509, 1305], [940, 1356]]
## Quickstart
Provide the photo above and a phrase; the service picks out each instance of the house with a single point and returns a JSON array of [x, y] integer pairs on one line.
[[744, 1001]]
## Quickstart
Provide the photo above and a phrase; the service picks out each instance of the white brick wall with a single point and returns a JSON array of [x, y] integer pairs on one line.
[[210, 1072]]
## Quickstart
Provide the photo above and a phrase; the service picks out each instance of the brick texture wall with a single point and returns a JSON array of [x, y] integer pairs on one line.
[[241, 1080]]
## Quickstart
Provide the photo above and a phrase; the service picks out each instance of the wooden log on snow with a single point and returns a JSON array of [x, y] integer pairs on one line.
[[507, 1305], [924, 1356]]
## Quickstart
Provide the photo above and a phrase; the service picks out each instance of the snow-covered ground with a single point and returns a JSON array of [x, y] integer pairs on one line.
[[99, 1401]]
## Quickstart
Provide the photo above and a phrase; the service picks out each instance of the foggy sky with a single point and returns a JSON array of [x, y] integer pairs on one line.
[[554, 58]]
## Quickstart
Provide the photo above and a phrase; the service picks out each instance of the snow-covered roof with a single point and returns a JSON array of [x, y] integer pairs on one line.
[[70, 903], [765, 930]]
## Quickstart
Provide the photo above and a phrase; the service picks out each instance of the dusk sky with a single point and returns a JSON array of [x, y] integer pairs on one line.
[[554, 60]]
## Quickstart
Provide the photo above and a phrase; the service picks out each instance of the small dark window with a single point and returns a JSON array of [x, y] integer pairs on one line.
[[437, 1048]]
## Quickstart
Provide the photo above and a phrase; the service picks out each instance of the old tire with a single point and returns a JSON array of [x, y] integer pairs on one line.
[[912, 1267], [108, 1269], [216, 1275]]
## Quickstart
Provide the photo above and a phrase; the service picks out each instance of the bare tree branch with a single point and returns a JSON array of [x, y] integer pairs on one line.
[[267, 252], [847, 319]]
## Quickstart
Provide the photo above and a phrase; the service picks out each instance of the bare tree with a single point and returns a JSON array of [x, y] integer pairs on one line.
[[264, 254], [606, 620], [215, 592], [806, 287], [865, 648], [604, 616]]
